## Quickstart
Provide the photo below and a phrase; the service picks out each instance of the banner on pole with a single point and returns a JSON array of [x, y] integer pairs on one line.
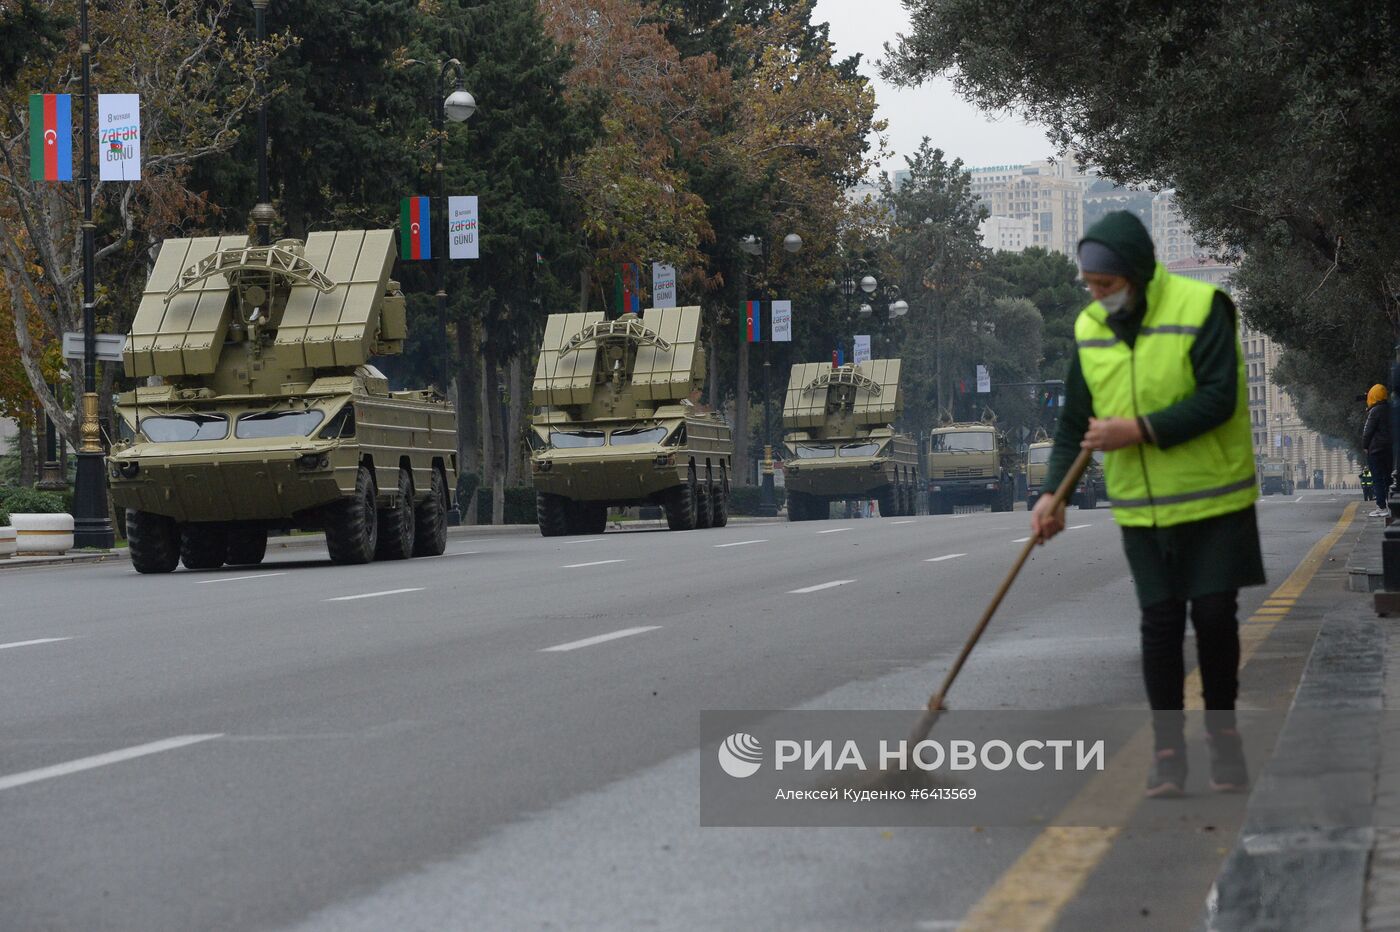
[[627, 288], [119, 137], [462, 239], [50, 137], [663, 285], [782, 322], [862, 349], [754, 310], [415, 230], [984, 380]]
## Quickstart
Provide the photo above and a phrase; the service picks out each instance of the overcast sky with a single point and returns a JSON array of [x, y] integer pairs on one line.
[[933, 110]]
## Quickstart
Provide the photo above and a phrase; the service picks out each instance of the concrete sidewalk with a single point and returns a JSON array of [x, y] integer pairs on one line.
[[1320, 847]]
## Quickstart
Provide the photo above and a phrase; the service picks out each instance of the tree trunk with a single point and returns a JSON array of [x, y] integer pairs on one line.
[[489, 433], [28, 465], [712, 377], [516, 448], [583, 282], [466, 395], [741, 415]]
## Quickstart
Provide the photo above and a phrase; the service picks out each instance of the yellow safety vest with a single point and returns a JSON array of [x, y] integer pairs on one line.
[[1209, 475]]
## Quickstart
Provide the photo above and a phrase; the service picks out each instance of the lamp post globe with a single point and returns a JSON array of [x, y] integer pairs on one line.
[[792, 242], [868, 284], [899, 308], [866, 310], [459, 106]]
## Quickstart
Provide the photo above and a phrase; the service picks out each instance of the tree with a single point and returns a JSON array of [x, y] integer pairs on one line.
[[1275, 121], [1050, 281]]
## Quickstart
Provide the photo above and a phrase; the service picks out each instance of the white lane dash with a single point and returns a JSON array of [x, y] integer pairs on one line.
[[205, 582], [600, 639], [946, 556], [901, 522], [1075, 527], [585, 540], [458, 553], [740, 543], [33, 642], [372, 595], [835, 530], [1298, 499], [826, 585], [1020, 540], [575, 566], [101, 760]]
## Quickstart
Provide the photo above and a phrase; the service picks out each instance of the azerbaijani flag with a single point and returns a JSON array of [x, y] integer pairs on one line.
[[50, 137], [755, 313], [415, 229]]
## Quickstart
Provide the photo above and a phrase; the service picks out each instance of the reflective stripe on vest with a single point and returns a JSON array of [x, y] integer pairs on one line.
[[1209, 475]]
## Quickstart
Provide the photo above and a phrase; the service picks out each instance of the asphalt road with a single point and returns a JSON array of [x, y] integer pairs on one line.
[[506, 737]]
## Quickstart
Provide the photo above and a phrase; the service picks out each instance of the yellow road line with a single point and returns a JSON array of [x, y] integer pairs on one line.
[[1048, 875]]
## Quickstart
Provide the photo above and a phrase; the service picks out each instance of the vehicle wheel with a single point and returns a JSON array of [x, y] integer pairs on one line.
[[203, 546], [552, 513], [704, 505], [887, 495], [1000, 503], [396, 523], [938, 504], [352, 527], [153, 542], [430, 520], [797, 506], [719, 504], [681, 506], [1090, 501], [906, 506], [246, 546], [587, 518]]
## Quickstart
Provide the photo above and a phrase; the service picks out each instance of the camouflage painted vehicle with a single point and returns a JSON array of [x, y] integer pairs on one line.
[[841, 444], [616, 423], [1090, 490], [270, 415], [970, 464], [1275, 477]]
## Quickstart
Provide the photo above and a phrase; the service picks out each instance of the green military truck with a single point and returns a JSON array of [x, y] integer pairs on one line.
[[1090, 491], [1275, 477], [616, 423], [270, 415], [841, 443], [969, 464]]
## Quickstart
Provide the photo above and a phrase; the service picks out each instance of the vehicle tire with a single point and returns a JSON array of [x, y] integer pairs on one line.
[[681, 506], [938, 504], [587, 518], [153, 542], [552, 513], [352, 526], [396, 523], [1000, 503], [704, 505], [719, 504], [430, 520], [203, 546], [906, 503], [1090, 500], [887, 496], [246, 546], [797, 506]]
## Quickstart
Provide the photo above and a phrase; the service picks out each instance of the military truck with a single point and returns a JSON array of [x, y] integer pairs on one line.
[[1275, 477], [270, 415], [1090, 491], [969, 464], [617, 424], [840, 441]]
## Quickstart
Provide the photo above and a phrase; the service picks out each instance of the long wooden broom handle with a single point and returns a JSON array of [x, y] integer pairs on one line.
[[1071, 479]]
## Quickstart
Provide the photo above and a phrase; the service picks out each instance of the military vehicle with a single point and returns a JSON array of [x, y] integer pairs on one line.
[[270, 415], [1276, 477], [616, 423], [1090, 491], [841, 444], [970, 464]]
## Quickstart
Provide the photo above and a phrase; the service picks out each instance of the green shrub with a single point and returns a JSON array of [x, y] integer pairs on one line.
[[22, 500], [4, 517], [743, 499], [519, 505]]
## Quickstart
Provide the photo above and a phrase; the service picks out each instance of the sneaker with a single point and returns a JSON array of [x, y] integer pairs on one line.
[[1379, 513], [1168, 776], [1228, 773]]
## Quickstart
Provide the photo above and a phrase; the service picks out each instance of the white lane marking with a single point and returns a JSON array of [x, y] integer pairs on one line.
[[372, 595], [461, 553], [835, 530], [825, 585], [586, 540], [1075, 527], [1020, 540], [35, 641], [600, 639], [901, 522], [205, 582], [575, 566], [740, 543], [101, 760], [1298, 499], [946, 556]]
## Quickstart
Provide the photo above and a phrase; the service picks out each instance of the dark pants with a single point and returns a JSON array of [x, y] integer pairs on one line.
[[1164, 668], [1380, 474]]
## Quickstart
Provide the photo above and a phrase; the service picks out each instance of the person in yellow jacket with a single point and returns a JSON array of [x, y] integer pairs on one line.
[[1158, 383]]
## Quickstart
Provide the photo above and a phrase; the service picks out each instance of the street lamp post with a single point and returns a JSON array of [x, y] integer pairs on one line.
[[91, 525], [457, 107], [767, 499]]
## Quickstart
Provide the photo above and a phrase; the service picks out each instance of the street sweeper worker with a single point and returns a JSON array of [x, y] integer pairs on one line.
[[1158, 384]]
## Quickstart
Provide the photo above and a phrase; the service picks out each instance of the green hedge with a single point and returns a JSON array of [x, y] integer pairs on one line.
[[4, 517], [520, 505], [743, 499], [23, 500]]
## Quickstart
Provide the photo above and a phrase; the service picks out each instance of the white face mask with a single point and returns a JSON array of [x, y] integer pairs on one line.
[[1115, 302]]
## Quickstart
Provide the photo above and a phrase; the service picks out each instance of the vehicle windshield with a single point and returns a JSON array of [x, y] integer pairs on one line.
[[637, 435], [963, 441], [808, 451], [179, 428], [277, 424], [1039, 454], [570, 439], [860, 449]]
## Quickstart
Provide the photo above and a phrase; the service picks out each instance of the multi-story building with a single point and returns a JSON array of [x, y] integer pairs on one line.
[[1171, 231], [1050, 195], [1005, 234]]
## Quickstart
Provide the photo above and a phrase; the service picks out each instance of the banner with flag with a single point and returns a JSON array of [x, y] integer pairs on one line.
[[862, 349], [840, 356], [627, 289], [415, 229], [754, 312], [663, 285], [462, 234], [782, 322], [119, 137], [50, 137]]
